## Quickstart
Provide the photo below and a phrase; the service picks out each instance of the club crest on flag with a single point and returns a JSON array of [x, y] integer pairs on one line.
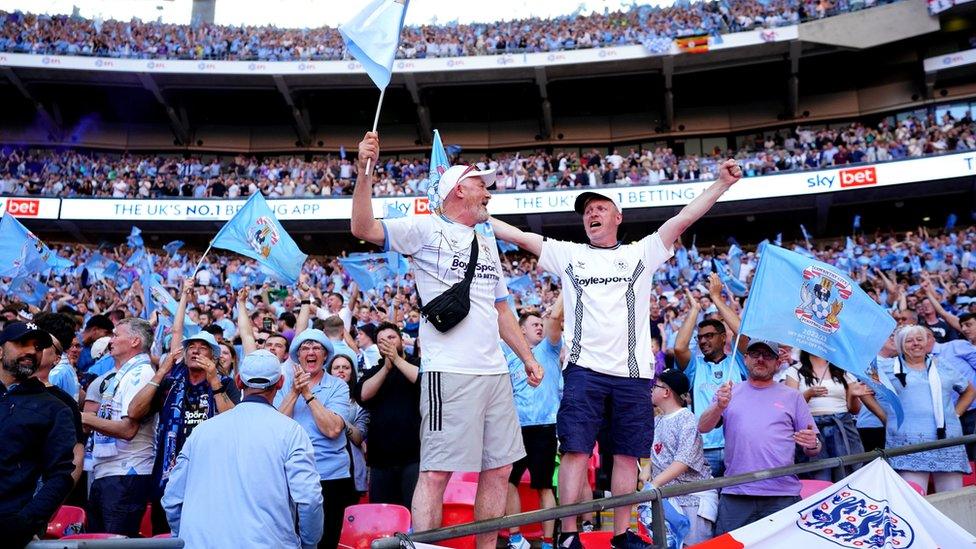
[[850, 518], [262, 236], [822, 297]]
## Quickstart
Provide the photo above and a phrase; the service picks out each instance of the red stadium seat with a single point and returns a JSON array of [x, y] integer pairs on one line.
[[93, 536], [166, 535], [916, 487], [67, 521], [460, 492], [596, 540], [365, 523], [810, 487], [466, 477], [145, 527], [970, 479], [458, 513]]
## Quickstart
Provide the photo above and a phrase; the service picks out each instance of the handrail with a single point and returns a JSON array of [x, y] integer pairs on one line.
[[634, 498]]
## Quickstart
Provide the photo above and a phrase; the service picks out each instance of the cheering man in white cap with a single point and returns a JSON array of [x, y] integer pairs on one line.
[[468, 418], [606, 291]]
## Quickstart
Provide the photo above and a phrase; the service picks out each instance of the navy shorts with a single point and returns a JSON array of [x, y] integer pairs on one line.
[[588, 395]]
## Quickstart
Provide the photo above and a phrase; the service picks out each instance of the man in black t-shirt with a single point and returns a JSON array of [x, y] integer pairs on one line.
[[390, 393]]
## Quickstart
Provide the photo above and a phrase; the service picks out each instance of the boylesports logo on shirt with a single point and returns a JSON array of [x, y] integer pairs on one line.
[[591, 280]]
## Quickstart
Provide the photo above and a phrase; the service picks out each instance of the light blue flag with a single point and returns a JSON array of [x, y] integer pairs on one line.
[[779, 239], [28, 289], [146, 279], [806, 235], [734, 285], [374, 270], [735, 259], [136, 258], [849, 248], [857, 222], [372, 36], [951, 221], [255, 232], [521, 284], [681, 254], [392, 212], [506, 247], [438, 165], [808, 304], [134, 240], [21, 251], [173, 246], [166, 305]]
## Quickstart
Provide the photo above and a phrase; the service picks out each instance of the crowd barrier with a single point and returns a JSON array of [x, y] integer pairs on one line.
[[849, 177], [657, 495]]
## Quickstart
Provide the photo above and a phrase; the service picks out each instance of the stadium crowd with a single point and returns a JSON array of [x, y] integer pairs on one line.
[[335, 331], [69, 173], [65, 35]]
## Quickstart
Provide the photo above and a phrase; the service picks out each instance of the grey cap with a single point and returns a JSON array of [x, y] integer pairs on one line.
[[771, 345], [205, 337], [260, 370]]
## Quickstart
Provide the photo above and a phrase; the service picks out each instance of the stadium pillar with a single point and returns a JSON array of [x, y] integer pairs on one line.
[[178, 124], [426, 128], [793, 83], [203, 12], [300, 116], [53, 123], [667, 69], [542, 80]]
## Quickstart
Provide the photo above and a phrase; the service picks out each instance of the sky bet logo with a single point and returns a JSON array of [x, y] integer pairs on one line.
[[856, 177]]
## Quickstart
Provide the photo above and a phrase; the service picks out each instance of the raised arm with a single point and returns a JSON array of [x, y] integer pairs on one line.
[[553, 324], [682, 350], [529, 242], [364, 225], [301, 323], [729, 172], [244, 327], [930, 294], [179, 318]]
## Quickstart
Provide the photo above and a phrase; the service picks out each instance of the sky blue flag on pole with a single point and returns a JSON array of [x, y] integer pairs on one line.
[[806, 235], [779, 239], [166, 305], [374, 270], [857, 222], [506, 247], [255, 232], [372, 36], [173, 246], [808, 304], [439, 162], [22, 252], [736, 286], [735, 259], [28, 289], [134, 240]]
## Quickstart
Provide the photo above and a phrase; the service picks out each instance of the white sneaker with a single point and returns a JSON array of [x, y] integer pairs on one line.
[[522, 544]]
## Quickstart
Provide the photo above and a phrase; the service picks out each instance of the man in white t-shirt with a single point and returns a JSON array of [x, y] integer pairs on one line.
[[606, 288], [123, 447], [468, 418]]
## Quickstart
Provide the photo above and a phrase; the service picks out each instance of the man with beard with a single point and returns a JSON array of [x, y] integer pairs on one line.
[[764, 421], [38, 437]]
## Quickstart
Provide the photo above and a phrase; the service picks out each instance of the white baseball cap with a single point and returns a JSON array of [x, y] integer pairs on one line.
[[455, 174], [99, 347], [584, 197], [260, 370]]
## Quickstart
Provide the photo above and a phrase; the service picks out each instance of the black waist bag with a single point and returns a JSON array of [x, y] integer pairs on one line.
[[451, 307]]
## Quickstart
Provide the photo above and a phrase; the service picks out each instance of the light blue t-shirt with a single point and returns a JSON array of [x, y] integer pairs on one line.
[[866, 418], [103, 365], [63, 376], [705, 379], [961, 355], [537, 405], [331, 458]]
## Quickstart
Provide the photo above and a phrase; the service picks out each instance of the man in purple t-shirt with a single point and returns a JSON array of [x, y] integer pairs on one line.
[[764, 421]]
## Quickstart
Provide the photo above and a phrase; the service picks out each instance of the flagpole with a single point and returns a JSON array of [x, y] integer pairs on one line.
[[201, 259], [376, 122]]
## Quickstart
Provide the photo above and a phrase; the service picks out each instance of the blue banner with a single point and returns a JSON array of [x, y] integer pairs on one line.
[[375, 270], [255, 232], [812, 305]]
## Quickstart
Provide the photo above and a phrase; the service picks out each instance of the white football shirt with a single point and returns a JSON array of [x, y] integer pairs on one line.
[[606, 292], [441, 249]]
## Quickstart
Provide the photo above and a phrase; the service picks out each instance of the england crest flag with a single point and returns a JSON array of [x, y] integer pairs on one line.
[[873, 508], [808, 304], [255, 232]]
